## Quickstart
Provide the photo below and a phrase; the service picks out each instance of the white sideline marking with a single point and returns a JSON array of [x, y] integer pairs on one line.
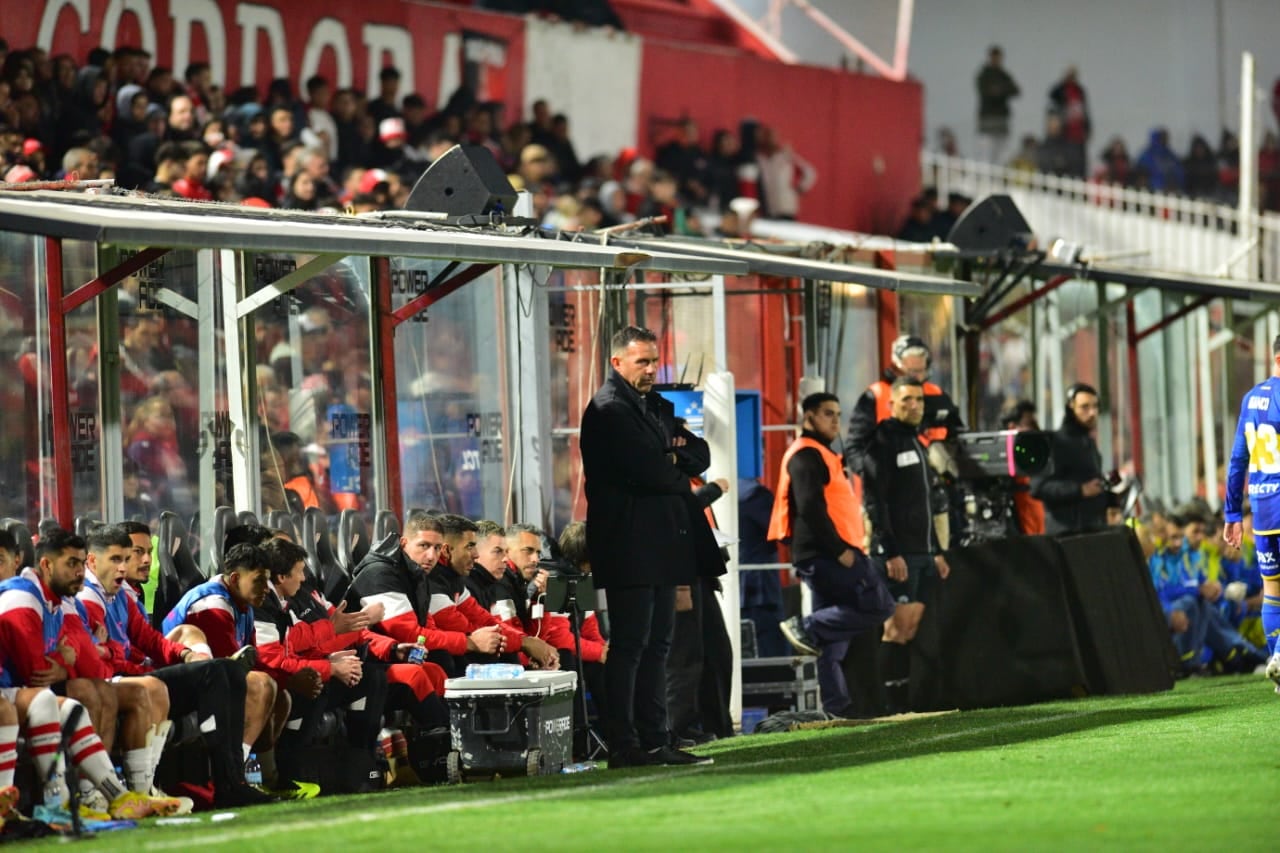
[[268, 830]]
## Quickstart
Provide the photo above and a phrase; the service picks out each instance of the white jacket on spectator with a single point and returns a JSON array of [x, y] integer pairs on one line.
[[784, 176]]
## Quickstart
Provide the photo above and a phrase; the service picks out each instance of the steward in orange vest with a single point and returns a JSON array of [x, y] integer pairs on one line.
[[817, 510], [941, 414]]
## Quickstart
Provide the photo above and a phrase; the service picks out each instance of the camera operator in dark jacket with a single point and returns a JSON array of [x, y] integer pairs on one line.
[[897, 496], [1074, 495]]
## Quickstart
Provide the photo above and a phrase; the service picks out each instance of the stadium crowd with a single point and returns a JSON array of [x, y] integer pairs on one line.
[[116, 115], [1202, 170]]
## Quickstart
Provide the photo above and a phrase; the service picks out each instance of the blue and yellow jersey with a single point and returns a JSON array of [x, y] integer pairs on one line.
[[1255, 459]]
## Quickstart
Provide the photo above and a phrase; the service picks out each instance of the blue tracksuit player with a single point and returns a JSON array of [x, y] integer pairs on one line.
[[1255, 458]]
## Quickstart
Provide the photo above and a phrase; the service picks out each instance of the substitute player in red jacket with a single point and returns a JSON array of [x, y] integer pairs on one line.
[[454, 608]]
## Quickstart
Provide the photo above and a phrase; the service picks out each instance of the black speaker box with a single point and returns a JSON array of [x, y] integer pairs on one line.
[[992, 225], [465, 181]]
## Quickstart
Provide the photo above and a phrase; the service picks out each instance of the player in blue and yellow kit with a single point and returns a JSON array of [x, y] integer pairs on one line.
[[1255, 457]]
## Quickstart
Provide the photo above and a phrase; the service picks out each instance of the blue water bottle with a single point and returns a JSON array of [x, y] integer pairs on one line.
[[418, 653]]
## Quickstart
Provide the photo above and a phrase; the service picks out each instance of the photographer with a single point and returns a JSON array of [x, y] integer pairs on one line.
[[898, 489], [1074, 493]]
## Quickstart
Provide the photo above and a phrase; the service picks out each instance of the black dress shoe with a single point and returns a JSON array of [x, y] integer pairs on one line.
[[238, 796], [631, 757], [677, 757]]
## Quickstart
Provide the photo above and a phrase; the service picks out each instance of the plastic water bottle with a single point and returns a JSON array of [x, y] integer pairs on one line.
[[53, 789], [579, 767], [487, 671], [418, 653], [253, 770]]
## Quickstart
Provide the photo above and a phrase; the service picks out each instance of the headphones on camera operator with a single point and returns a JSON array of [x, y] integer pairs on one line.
[[905, 345]]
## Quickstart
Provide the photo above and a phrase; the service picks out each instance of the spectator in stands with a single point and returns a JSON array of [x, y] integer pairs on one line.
[[319, 119], [1201, 169], [1269, 171], [1027, 158], [386, 105], [300, 192], [1073, 492], [1162, 167], [995, 89], [723, 170], [684, 158], [1229, 165], [131, 114], [181, 123], [1057, 156], [1116, 167], [280, 133], [784, 175], [81, 162], [569, 168], [195, 167], [198, 86], [664, 200], [1067, 98]]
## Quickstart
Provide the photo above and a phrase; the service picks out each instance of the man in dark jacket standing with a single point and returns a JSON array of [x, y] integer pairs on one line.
[[898, 486], [646, 535], [1073, 493]]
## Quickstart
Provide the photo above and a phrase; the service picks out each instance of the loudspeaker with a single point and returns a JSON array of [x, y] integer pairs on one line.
[[464, 181], [992, 225]]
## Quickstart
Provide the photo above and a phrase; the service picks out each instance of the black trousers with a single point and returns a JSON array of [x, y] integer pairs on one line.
[[700, 667], [641, 619], [215, 690], [361, 704]]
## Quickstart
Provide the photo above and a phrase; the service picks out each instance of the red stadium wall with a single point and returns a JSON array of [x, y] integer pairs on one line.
[[862, 133]]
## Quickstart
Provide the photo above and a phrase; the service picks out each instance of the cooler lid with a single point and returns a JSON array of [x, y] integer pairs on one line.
[[532, 683]]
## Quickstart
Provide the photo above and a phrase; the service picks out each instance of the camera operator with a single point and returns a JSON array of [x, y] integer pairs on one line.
[[1074, 493], [898, 498], [941, 418], [1027, 511]]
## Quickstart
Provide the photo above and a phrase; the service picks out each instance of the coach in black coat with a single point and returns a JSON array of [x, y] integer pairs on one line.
[[646, 534]]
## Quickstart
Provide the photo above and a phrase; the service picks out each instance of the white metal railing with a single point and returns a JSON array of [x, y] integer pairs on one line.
[[1140, 228]]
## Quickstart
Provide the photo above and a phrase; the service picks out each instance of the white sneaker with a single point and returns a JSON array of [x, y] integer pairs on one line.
[[185, 804], [95, 801], [1273, 670]]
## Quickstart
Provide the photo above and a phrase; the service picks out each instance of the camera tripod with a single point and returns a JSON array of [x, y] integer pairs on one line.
[[595, 745]]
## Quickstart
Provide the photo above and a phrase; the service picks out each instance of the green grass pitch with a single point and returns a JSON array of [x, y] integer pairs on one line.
[[1191, 769]]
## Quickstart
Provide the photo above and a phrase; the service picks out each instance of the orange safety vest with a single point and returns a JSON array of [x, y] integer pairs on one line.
[[1027, 510], [844, 498], [882, 392]]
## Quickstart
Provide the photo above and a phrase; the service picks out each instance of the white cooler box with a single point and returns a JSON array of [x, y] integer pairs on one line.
[[510, 726]]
